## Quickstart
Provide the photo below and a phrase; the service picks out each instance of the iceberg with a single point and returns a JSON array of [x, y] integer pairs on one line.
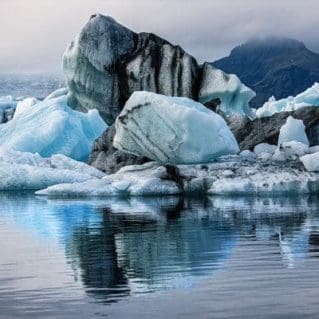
[[309, 97], [293, 130], [27, 171], [136, 180], [229, 175], [234, 96], [248, 155], [25, 105], [294, 148], [172, 130], [107, 62], [51, 127], [311, 162], [264, 148], [57, 93]]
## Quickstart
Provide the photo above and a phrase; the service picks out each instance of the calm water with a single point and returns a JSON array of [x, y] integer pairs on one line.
[[159, 258]]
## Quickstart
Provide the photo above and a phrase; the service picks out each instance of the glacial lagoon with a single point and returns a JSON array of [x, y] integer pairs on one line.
[[168, 257]]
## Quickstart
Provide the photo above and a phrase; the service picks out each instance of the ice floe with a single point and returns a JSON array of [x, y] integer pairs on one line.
[[27, 171], [231, 175], [293, 130], [311, 162], [172, 130], [51, 127], [309, 97]]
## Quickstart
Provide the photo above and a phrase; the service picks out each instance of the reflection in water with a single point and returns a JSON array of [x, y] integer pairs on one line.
[[120, 248], [151, 245]]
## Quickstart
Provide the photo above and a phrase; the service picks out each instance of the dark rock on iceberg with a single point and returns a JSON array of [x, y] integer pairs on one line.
[[6, 115], [107, 158], [107, 62], [266, 129]]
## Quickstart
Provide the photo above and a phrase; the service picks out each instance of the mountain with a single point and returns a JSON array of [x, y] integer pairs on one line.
[[272, 66]]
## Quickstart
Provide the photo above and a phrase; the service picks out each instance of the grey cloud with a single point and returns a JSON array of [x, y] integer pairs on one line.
[[35, 33]]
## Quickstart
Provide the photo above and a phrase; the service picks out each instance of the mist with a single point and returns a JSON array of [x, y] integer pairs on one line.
[[35, 33]]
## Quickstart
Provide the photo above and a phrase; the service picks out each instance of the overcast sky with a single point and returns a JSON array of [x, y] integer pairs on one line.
[[34, 33]]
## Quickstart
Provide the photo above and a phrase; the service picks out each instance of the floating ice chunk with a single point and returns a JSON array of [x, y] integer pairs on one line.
[[264, 148], [293, 130], [264, 156], [279, 156], [311, 162], [290, 151], [246, 154], [227, 177], [26, 171], [57, 93], [25, 105], [295, 148], [59, 161], [51, 127], [228, 173], [309, 97], [234, 96], [147, 179], [172, 130], [268, 183], [56, 161]]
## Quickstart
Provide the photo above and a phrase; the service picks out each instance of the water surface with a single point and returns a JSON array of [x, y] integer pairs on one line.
[[159, 258]]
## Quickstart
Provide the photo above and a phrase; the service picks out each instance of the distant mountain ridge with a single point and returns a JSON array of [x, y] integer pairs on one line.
[[272, 66]]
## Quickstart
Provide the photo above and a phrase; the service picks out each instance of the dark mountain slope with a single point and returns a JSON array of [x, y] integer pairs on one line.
[[272, 66]]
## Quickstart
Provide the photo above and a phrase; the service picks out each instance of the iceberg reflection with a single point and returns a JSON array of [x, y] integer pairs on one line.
[[123, 247]]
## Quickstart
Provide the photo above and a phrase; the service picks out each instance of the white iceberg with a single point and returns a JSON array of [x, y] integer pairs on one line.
[[267, 184], [309, 97], [311, 162], [264, 148], [248, 155], [51, 127], [147, 179], [293, 130], [234, 96], [25, 105], [294, 148], [290, 151], [232, 175], [57, 93], [172, 130], [27, 171]]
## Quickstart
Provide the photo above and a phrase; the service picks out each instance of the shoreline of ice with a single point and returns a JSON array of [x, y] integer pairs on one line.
[[233, 175]]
